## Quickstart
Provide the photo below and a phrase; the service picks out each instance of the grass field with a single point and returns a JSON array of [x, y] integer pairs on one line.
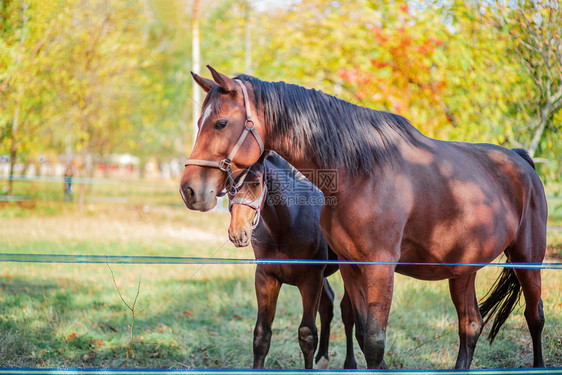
[[192, 316]]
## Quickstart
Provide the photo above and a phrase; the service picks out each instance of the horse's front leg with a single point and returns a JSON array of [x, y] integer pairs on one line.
[[310, 290], [347, 315], [267, 292], [470, 320], [326, 311], [379, 281]]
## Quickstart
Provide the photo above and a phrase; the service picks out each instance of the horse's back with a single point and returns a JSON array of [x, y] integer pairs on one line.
[[469, 204], [495, 171], [511, 171]]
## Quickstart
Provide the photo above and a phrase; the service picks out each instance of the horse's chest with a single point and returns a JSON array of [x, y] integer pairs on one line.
[[286, 249]]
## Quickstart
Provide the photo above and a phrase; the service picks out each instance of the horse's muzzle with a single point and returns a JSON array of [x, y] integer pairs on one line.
[[198, 199], [241, 238]]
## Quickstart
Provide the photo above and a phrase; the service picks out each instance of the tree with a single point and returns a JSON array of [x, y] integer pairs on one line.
[[403, 74], [310, 42], [196, 64], [95, 70], [537, 29], [534, 29], [27, 30]]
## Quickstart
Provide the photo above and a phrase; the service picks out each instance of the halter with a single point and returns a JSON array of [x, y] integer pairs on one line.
[[225, 165], [255, 204]]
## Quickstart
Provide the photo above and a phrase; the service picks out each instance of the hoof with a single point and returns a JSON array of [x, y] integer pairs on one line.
[[322, 363], [350, 364]]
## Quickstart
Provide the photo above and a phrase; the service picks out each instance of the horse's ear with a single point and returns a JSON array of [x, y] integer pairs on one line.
[[223, 81], [205, 83]]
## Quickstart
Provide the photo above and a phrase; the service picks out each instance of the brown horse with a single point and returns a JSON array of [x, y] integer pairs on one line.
[[401, 198], [279, 210]]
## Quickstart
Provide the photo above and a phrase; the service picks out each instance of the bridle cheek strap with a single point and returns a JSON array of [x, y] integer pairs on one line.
[[225, 165], [256, 205]]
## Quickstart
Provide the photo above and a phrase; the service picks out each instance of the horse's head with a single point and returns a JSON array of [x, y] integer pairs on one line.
[[228, 143], [245, 206]]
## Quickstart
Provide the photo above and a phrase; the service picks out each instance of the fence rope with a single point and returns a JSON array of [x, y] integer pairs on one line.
[[77, 371], [143, 259]]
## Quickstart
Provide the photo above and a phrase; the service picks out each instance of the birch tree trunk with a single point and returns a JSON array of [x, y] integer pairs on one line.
[[196, 65], [248, 39], [17, 109]]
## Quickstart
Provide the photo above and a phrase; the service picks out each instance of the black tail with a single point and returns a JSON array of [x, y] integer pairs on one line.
[[500, 301], [525, 155]]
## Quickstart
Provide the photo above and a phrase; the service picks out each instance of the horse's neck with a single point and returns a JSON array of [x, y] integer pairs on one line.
[[300, 162], [308, 167], [306, 163]]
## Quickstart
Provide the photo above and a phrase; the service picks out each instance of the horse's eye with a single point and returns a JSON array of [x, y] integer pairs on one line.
[[220, 124]]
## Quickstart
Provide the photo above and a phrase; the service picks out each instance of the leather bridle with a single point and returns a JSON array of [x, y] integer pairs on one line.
[[225, 165], [256, 204]]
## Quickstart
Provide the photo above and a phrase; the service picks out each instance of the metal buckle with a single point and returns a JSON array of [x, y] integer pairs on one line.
[[232, 190], [225, 164], [246, 124], [256, 219]]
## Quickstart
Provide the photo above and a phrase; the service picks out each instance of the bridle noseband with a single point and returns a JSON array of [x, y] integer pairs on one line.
[[225, 165]]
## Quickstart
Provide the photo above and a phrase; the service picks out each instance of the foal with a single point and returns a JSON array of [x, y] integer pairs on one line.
[[289, 207]]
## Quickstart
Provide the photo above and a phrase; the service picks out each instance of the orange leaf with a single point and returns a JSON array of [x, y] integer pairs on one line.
[[72, 336]]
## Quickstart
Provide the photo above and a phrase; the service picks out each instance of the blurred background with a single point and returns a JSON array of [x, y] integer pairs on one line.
[[98, 113], [104, 85]]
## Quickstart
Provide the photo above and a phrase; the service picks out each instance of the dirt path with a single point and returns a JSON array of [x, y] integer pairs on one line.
[[105, 229]]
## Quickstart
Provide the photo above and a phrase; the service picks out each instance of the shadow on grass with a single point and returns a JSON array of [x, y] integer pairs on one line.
[[208, 323], [65, 323]]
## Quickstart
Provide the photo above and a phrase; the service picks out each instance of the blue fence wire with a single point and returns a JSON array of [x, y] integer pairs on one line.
[[138, 259], [21, 371]]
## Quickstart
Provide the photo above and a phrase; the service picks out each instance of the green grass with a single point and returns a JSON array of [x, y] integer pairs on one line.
[[554, 237], [554, 196], [71, 315]]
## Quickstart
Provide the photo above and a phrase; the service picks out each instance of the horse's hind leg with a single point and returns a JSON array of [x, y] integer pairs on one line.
[[470, 320], [310, 290], [530, 280], [326, 311], [347, 316], [267, 291], [530, 247]]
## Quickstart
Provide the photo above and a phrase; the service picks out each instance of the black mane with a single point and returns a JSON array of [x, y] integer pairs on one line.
[[339, 134]]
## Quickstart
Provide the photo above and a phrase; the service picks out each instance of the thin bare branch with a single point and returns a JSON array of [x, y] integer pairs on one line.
[[116, 287], [133, 313]]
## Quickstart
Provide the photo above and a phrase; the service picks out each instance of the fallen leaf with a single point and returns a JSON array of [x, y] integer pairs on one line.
[[98, 343]]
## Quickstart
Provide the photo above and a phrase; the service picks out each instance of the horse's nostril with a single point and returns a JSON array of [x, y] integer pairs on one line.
[[186, 194], [244, 236], [189, 192]]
